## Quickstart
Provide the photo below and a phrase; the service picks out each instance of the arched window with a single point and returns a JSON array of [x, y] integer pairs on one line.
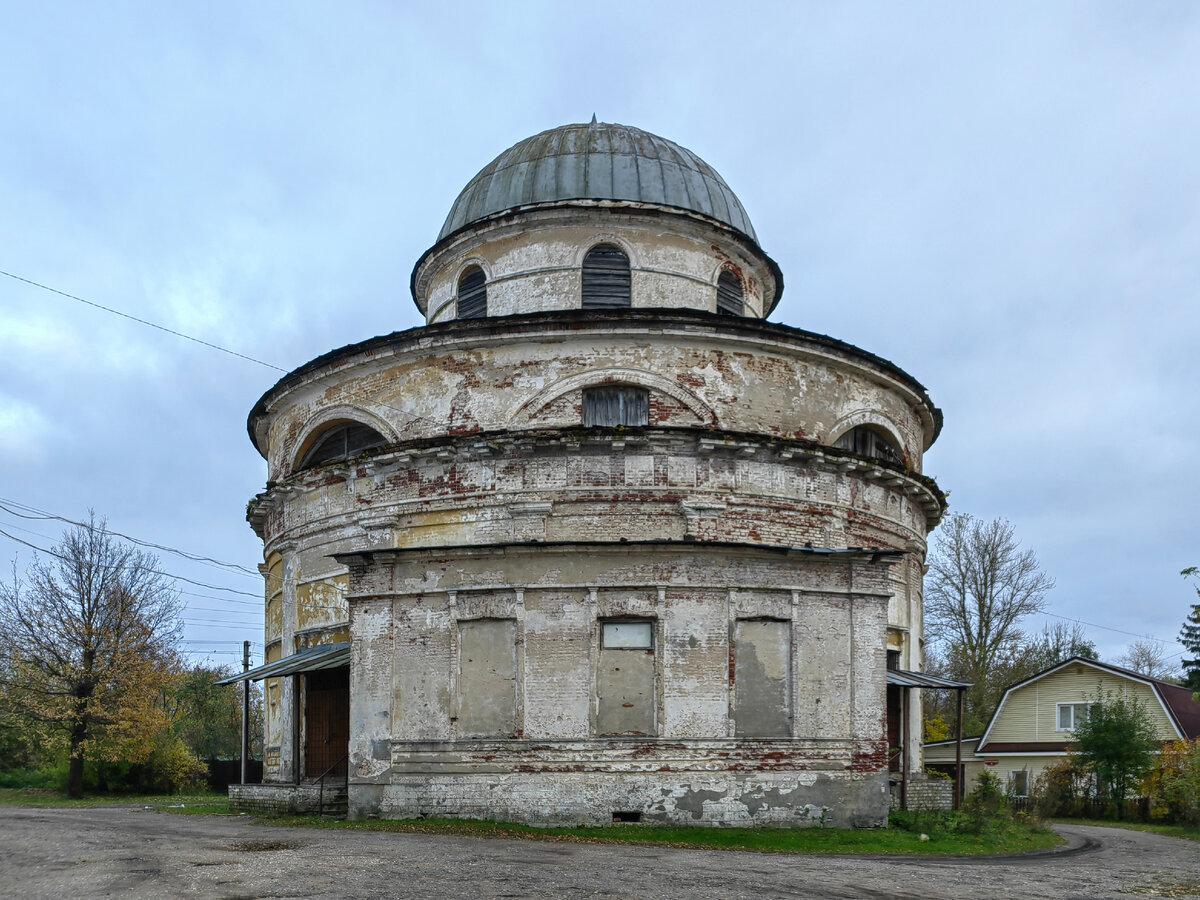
[[472, 294], [342, 442], [606, 282], [870, 441], [729, 294]]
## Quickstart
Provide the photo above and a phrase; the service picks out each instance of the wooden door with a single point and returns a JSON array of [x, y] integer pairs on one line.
[[895, 711], [327, 721]]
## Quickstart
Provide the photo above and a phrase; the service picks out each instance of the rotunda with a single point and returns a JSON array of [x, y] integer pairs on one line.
[[598, 542]]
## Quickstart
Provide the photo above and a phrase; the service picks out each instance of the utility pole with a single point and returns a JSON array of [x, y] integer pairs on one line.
[[245, 708]]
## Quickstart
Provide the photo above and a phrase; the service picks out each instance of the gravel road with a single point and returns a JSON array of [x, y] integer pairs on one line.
[[135, 852]]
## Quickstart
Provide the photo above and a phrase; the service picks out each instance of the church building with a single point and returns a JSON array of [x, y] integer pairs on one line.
[[598, 542]]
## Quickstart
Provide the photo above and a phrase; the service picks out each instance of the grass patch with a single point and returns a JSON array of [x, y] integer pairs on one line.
[[1187, 832], [195, 804], [1011, 838]]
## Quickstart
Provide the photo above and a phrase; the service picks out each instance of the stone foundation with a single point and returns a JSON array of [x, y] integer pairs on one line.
[[278, 799], [722, 799]]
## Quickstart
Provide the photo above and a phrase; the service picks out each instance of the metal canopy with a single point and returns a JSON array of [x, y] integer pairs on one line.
[[901, 678], [311, 659]]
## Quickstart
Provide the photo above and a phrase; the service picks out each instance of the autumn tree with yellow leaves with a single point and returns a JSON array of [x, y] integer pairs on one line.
[[85, 640]]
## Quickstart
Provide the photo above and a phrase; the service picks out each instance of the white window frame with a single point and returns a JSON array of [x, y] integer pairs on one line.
[[627, 634], [1074, 707], [1012, 782]]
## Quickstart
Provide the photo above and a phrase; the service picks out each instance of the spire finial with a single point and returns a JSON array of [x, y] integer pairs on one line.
[[593, 118]]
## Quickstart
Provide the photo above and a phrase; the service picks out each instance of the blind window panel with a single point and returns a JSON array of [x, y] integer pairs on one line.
[[606, 279], [610, 407], [602, 407], [472, 294], [635, 407], [729, 295]]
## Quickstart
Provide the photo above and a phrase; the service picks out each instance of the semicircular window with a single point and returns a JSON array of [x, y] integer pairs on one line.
[[342, 442], [606, 278], [472, 294], [870, 441], [729, 294]]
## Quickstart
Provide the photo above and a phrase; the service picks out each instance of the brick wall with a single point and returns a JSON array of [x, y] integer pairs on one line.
[[926, 794], [280, 799]]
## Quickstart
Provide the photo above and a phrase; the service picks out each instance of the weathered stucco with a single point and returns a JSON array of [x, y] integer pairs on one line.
[[474, 556], [533, 263]]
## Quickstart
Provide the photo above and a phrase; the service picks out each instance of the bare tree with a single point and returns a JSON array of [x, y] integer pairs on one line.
[[1057, 642], [1148, 657], [83, 639], [980, 587]]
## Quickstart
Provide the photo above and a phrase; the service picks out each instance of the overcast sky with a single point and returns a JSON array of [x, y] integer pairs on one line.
[[1001, 198]]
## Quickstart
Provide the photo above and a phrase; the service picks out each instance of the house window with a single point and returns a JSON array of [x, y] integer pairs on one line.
[[627, 635], [342, 442], [626, 701], [1071, 715], [1018, 783], [616, 405], [729, 294], [606, 278], [472, 294], [869, 441]]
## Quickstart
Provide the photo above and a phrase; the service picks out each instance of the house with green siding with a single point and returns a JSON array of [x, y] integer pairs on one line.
[[1035, 721]]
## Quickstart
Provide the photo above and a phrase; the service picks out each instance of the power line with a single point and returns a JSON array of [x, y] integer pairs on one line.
[[1110, 628], [43, 514], [211, 587], [410, 417], [117, 312], [257, 602]]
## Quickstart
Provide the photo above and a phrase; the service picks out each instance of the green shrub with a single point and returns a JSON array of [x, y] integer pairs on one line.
[[28, 778]]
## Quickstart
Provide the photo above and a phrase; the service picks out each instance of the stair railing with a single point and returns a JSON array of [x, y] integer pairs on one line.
[[321, 783]]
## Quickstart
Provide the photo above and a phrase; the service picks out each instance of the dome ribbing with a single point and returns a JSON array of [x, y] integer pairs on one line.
[[597, 161]]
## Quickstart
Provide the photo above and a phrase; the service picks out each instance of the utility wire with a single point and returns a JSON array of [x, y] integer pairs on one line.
[[211, 587], [6, 502], [1110, 628], [44, 514], [117, 312], [257, 602], [410, 417]]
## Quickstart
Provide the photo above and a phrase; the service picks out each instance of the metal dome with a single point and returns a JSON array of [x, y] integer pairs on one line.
[[597, 161]]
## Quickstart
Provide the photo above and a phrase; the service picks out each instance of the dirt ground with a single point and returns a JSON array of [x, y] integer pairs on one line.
[[134, 852]]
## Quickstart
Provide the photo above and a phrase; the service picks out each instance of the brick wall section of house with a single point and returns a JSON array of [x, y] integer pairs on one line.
[[926, 794], [283, 799]]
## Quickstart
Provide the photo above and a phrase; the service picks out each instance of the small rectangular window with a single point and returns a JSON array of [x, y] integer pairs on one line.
[[610, 407], [1018, 783], [1072, 715], [627, 636]]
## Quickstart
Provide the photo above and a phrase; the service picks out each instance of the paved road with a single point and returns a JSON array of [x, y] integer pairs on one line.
[[132, 852]]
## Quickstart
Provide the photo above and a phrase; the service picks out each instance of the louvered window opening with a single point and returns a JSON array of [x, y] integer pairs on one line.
[[472, 294], [868, 442], [729, 295], [606, 279], [343, 442], [611, 407]]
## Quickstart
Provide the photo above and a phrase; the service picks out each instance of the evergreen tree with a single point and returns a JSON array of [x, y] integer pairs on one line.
[[1189, 636]]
